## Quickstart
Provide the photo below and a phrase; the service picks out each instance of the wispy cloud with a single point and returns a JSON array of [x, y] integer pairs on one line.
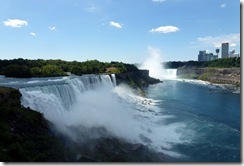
[[223, 5], [91, 9], [16, 23], [158, 0], [215, 41], [52, 28], [115, 24], [33, 34], [165, 29]]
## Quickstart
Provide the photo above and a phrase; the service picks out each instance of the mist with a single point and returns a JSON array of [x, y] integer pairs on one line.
[[105, 111], [154, 63]]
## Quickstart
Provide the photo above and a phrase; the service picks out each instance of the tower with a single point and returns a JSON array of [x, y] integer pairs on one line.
[[217, 52], [225, 50]]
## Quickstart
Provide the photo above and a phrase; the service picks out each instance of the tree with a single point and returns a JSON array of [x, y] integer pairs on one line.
[[36, 71], [21, 71], [51, 70]]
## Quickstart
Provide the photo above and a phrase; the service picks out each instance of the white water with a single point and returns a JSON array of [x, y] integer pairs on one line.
[[169, 73], [94, 101], [155, 66]]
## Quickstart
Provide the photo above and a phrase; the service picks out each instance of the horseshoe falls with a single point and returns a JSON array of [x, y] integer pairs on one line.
[[178, 118]]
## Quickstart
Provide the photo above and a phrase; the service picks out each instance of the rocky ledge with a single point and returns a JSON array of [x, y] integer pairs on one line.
[[136, 79]]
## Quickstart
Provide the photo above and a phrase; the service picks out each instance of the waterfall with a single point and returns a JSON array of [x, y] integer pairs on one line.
[[114, 79], [80, 106], [169, 73], [65, 91], [69, 101]]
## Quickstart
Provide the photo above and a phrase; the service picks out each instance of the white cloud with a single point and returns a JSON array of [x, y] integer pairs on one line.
[[91, 9], [165, 29], [115, 24], [158, 0], [223, 5], [216, 41], [16, 23], [232, 45], [33, 34], [52, 28]]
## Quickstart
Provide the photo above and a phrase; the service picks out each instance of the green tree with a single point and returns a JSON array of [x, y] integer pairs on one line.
[[52, 70], [36, 71], [21, 71]]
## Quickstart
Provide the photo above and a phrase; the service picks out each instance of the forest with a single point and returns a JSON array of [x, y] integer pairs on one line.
[[219, 63], [24, 68]]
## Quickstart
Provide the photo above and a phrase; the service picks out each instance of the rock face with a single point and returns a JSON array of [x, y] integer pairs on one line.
[[25, 134], [215, 75], [140, 78], [9, 96], [136, 80]]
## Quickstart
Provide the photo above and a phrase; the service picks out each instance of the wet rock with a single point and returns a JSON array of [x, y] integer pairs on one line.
[[136, 147], [144, 138]]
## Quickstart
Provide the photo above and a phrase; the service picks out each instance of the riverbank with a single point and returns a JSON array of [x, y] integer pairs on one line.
[[214, 75]]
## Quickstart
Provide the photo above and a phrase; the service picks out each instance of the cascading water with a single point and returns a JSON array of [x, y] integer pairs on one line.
[[169, 73], [94, 101], [114, 79]]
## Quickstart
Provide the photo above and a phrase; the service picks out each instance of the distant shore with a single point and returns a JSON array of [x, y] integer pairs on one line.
[[213, 75]]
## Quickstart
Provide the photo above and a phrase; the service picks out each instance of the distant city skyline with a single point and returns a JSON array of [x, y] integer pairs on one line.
[[225, 53], [112, 30]]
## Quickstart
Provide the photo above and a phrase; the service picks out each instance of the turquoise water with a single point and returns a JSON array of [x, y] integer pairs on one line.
[[211, 115]]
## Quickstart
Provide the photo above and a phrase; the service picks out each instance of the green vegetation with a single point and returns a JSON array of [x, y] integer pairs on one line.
[[48, 68], [204, 76], [17, 71], [177, 64], [223, 63], [220, 63]]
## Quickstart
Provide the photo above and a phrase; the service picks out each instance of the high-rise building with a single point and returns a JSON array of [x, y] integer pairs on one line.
[[201, 55], [204, 56], [225, 50]]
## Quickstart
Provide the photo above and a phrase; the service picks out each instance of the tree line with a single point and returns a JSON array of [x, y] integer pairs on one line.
[[220, 63], [47, 68]]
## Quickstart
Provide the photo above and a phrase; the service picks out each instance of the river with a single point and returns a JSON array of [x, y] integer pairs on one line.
[[188, 120]]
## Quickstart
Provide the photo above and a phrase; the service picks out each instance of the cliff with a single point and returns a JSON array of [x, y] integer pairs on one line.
[[9, 96], [25, 134], [136, 79], [214, 75]]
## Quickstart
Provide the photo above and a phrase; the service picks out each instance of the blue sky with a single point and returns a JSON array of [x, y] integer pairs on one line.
[[116, 30]]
